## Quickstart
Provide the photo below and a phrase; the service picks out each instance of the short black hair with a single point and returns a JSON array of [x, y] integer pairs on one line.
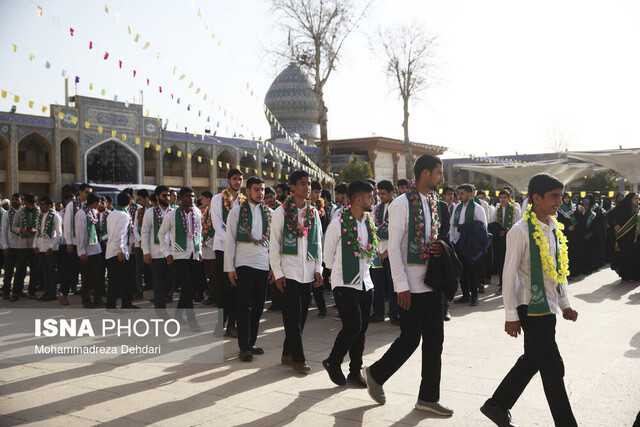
[[467, 187], [542, 183], [269, 190], [108, 199], [326, 194], [47, 200], [341, 188], [208, 194], [143, 192], [254, 180], [386, 185], [153, 198], [69, 196], [284, 187], [19, 196], [315, 185], [506, 193], [173, 191], [358, 187], [425, 162], [448, 188], [509, 189], [403, 182], [123, 199], [297, 175], [130, 191], [29, 198], [481, 192], [161, 189], [373, 182], [233, 172], [185, 190], [92, 198], [84, 186]]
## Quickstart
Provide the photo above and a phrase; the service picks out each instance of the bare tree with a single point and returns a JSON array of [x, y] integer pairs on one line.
[[317, 31], [409, 55], [558, 137]]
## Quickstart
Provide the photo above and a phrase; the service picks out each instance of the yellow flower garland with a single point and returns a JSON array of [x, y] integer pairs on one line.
[[560, 275]]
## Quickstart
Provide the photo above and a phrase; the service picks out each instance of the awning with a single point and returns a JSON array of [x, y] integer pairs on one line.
[[625, 162]]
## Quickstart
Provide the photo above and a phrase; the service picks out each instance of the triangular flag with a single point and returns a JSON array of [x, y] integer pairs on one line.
[[103, 92], [120, 63], [158, 54], [106, 8], [71, 30], [113, 133], [158, 147], [160, 87], [134, 73], [219, 164], [30, 104], [117, 17], [74, 120], [190, 85], [61, 115], [137, 141], [90, 86], [147, 144], [31, 57], [3, 93], [15, 48], [136, 38], [106, 55], [124, 136], [146, 45], [199, 159], [87, 125], [16, 98], [181, 77], [198, 90], [100, 128], [90, 44], [39, 11], [147, 81], [44, 109], [129, 28]]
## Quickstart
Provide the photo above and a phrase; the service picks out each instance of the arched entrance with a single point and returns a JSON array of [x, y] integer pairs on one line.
[[150, 164], [224, 163], [174, 166], [200, 171], [248, 166], [68, 155], [4, 158], [35, 158], [269, 171], [113, 162]]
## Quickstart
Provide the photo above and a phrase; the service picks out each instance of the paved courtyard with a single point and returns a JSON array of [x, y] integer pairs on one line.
[[601, 353]]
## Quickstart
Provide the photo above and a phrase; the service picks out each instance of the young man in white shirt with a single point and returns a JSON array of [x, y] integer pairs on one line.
[[533, 296], [221, 205], [45, 246], [10, 245], [183, 249], [89, 250], [295, 255], [143, 273], [24, 224], [413, 218], [152, 253], [70, 258], [467, 210], [118, 257], [382, 280], [349, 254], [208, 254], [246, 261]]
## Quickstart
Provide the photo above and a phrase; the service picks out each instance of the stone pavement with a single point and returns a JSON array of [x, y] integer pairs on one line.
[[601, 353]]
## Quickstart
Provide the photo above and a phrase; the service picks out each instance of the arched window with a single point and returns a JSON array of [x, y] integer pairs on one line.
[[112, 163], [249, 162], [150, 156], [200, 164], [173, 162], [225, 162], [34, 154], [68, 156]]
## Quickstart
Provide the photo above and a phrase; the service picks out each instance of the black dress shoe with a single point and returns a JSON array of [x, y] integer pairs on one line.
[[376, 318], [447, 316], [20, 294], [130, 306], [356, 379], [500, 416], [461, 300], [14, 298], [474, 302], [335, 373], [87, 304], [47, 298]]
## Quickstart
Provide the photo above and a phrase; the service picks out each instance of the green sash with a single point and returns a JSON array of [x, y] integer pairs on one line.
[[503, 219], [567, 211], [29, 220], [633, 223], [212, 231], [76, 204], [351, 263], [468, 214], [243, 233], [48, 226], [413, 253], [290, 240], [92, 235], [157, 224], [381, 215], [180, 245], [12, 214], [538, 305]]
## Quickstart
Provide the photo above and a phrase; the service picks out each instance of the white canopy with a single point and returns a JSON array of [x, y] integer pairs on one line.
[[626, 162]]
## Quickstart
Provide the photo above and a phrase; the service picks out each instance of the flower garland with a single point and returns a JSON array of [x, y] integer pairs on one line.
[[246, 225], [320, 206], [417, 212], [184, 216], [348, 228], [291, 217], [103, 221], [384, 224], [140, 217], [227, 199], [158, 213], [207, 225], [509, 217], [91, 214], [34, 219], [560, 275]]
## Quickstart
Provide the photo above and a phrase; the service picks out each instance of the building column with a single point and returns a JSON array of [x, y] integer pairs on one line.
[[187, 169], [12, 172], [214, 181]]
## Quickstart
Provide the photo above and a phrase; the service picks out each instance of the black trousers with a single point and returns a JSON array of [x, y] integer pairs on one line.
[[422, 320], [186, 272], [383, 289], [354, 306], [251, 291], [26, 257], [318, 297], [91, 280], [499, 252], [70, 270], [297, 297], [49, 273], [9, 267], [161, 281], [227, 293], [540, 354], [470, 279], [120, 283]]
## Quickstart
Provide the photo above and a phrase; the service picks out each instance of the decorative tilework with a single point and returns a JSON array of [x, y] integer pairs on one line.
[[67, 121], [47, 133], [5, 130], [151, 127], [26, 120]]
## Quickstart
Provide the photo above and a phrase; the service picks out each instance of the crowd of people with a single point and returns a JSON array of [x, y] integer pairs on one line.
[[383, 250]]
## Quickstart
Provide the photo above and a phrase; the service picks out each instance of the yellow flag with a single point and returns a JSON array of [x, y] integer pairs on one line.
[[219, 164], [211, 162], [117, 17], [146, 45], [198, 90], [189, 155], [271, 174], [179, 153], [100, 129], [44, 109], [30, 104], [246, 170], [583, 193], [169, 150], [74, 120], [90, 86], [147, 113], [87, 125], [124, 137], [16, 98], [137, 141], [147, 144], [106, 8], [264, 173], [15, 48], [182, 77], [612, 193], [199, 159], [130, 29], [228, 166], [3, 93], [113, 133], [190, 85], [136, 38], [158, 147]]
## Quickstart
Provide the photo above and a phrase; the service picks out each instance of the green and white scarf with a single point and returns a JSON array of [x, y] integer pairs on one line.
[[12, 215], [29, 220], [48, 225], [244, 230], [468, 214], [538, 305], [290, 240], [567, 211], [381, 216], [180, 245]]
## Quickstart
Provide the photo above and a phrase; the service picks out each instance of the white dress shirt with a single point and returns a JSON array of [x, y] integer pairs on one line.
[[168, 229], [406, 277], [149, 247], [207, 247], [516, 276], [137, 235], [293, 267], [333, 255], [9, 239], [478, 215], [82, 238], [43, 243], [22, 242], [240, 254], [118, 227], [216, 219], [67, 224], [517, 214], [63, 240]]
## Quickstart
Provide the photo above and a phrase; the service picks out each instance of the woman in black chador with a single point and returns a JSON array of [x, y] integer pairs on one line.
[[627, 247]]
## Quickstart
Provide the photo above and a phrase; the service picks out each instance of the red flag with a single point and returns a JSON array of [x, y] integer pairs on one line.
[[71, 31], [134, 73], [39, 11], [106, 55], [90, 45], [160, 89], [120, 62], [147, 82], [171, 96]]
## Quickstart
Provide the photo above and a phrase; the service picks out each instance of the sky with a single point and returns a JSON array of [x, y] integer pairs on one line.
[[508, 72]]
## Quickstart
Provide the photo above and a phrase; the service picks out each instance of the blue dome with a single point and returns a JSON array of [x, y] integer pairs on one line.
[[292, 101]]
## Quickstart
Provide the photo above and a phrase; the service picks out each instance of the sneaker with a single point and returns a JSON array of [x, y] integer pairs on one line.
[[375, 390], [335, 373], [500, 416], [474, 302], [461, 300], [434, 407]]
